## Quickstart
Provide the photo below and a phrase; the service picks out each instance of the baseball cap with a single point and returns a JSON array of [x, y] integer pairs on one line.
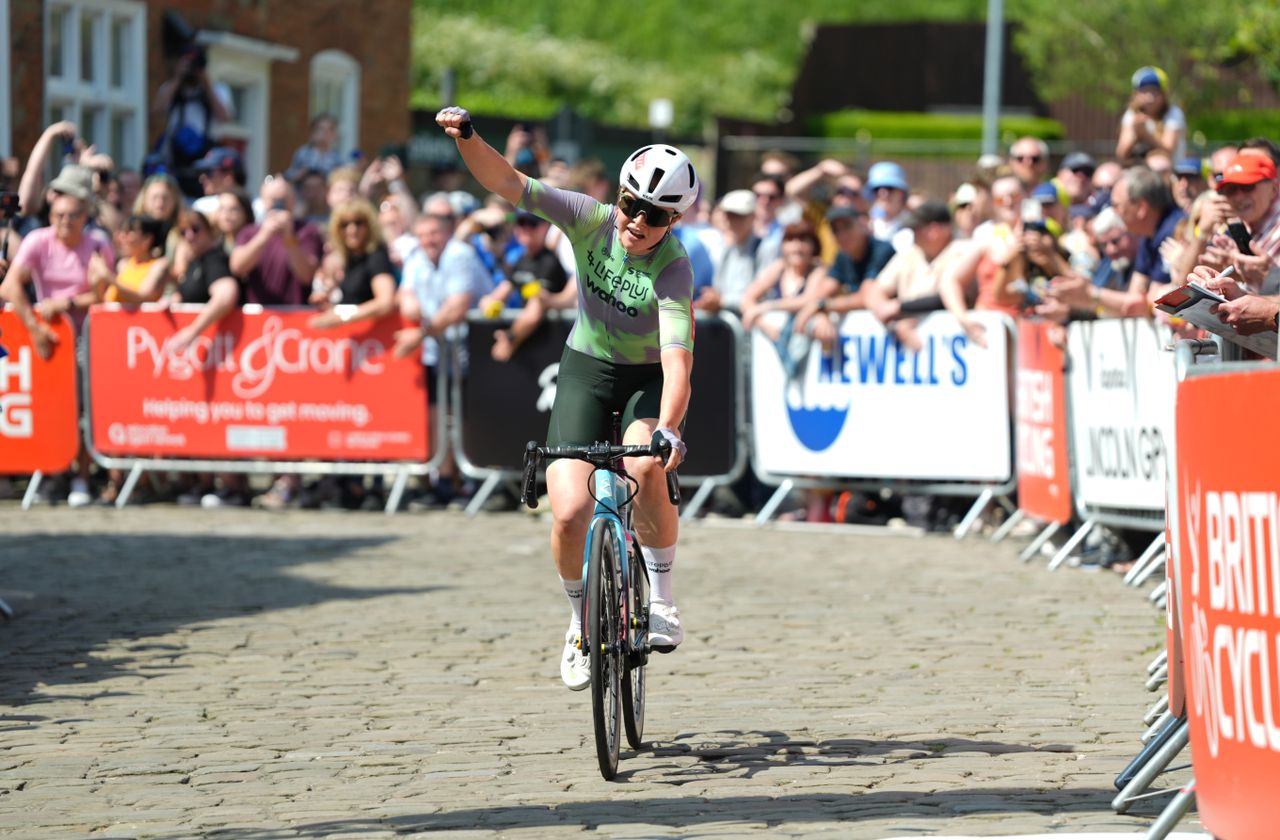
[[927, 213], [835, 214], [222, 159], [965, 194], [739, 202], [1248, 169], [76, 181], [1189, 166], [1051, 192], [1079, 160], [1150, 76], [886, 174]]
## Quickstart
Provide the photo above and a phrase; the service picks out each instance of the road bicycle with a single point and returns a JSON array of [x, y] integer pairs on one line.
[[615, 611]]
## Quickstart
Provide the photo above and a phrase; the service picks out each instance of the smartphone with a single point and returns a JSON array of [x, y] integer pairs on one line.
[[1240, 235], [1032, 211], [278, 204]]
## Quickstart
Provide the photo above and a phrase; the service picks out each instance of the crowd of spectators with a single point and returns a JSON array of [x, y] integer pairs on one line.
[[1084, 239]]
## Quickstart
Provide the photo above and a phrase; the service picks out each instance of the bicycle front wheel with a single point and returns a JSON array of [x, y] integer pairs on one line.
[[605, 631], [633, 679]]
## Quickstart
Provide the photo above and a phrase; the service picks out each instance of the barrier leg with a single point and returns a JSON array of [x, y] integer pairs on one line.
[[1176, 743], [1076, 539], [1173, 812], [1161, 603], [775, 501], [979, 505], [483, 492], [1161, 658], [1156, 565], [1148, 554], [1158, 678], [130, 481], [33, 487], [699, 499], [1161, 705], [1041, 538], [1009, 524], [397, 491], [1159, 591], [1160, 723]]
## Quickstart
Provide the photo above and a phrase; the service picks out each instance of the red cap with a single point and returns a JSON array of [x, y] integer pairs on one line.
[[1248, 169]]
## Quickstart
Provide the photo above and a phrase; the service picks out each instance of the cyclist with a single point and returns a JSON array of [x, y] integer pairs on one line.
[[630, 350]]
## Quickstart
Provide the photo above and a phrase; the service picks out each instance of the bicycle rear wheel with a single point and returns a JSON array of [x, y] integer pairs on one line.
[[605, 633], [638, 632]]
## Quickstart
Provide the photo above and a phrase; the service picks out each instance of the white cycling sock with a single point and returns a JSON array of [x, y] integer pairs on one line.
[[658, 561], [573, 591]]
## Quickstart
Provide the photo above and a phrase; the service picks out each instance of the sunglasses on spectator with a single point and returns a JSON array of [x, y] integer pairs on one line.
[[526, 222], [768, 196], [358, 222], [1083, 170], [848, 192], [634, 207], [1028, 158], [1232, 189]]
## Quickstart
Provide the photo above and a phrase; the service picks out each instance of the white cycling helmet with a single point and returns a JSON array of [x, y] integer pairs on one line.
[[662, 175]]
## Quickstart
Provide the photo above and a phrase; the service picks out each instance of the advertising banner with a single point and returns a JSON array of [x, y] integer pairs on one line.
[[504, 405], [37, 400], [871, 407], [1044, 479], [1229, 601], [1122, 386], [260, 385]]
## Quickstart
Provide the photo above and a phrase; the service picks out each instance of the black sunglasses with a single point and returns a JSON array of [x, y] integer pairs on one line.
[[633, 207]]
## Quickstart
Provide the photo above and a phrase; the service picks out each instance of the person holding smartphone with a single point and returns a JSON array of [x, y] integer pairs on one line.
[[278, 257], [1248, 195]]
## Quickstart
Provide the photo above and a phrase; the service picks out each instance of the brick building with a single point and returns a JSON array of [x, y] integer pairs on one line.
[[98, 63]]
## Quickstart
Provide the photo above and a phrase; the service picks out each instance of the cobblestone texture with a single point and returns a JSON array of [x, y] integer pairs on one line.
[[248, 675]]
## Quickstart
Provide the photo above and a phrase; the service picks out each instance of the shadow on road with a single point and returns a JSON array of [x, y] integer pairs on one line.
[[86, 589]]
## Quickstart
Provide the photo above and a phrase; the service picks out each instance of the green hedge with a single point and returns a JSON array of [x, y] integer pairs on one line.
[[884, 125], [1234, 126]]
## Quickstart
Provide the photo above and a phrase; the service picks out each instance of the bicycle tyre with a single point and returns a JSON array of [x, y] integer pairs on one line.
[[605, 635], [633, 680]]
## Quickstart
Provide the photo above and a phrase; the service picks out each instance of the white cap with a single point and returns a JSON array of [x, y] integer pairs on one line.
[[738, 202], [965, 194]]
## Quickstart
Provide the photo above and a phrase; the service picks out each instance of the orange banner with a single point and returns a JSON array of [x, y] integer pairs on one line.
[[1229, 571], [259, 385], [1044, 484], [37, 400]]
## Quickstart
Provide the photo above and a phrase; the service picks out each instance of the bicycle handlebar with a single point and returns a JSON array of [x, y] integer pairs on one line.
[[600, 455]]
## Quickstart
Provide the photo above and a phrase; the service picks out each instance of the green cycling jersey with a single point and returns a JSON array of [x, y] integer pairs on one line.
[[629, 308]]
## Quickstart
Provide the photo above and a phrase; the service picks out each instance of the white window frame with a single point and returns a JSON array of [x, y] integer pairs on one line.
[[339, 68], [6, 59], [72, 94]]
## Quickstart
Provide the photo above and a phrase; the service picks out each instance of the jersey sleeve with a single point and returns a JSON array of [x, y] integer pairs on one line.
[[574, 213], [674, 290]]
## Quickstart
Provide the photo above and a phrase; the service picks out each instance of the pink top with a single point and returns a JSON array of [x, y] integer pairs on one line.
[[56, 270]]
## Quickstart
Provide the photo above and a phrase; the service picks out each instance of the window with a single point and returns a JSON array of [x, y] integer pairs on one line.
[[95, 54], [335, 90]]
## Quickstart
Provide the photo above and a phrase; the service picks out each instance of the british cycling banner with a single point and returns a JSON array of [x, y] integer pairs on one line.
[[871, 407], [261, 384], [1122, 387], [37, 400], [1229, 569], [1044, 479]]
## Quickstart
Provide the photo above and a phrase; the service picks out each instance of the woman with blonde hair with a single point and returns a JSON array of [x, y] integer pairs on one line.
[[357, 270]]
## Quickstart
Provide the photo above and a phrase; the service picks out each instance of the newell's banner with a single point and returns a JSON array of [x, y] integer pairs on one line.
[[37, 400], [1122, 393], [262, 384], [873, 408], [1044, 483], [506, 404], [1229, 569]]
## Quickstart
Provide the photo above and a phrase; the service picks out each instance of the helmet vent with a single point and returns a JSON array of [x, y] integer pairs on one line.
[[635, 185], [693, 179], [669, 199], [670, 151], [655, 179], [639, 152]]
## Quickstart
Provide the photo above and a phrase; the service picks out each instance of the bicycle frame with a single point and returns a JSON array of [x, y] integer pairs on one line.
[[611, 492]]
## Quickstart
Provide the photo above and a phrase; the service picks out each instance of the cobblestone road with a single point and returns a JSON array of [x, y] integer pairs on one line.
[[249, 675]]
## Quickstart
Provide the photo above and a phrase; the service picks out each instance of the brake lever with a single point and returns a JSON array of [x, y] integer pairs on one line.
[[661, 447]]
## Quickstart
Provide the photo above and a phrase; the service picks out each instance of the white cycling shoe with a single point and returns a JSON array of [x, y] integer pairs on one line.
[[575, 668], [665, 631]]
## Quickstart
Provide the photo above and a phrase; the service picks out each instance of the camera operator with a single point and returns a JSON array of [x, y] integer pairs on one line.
[[189, 104]]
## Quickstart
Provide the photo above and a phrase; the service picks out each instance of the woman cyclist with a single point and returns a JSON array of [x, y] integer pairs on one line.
[[630, 350]]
